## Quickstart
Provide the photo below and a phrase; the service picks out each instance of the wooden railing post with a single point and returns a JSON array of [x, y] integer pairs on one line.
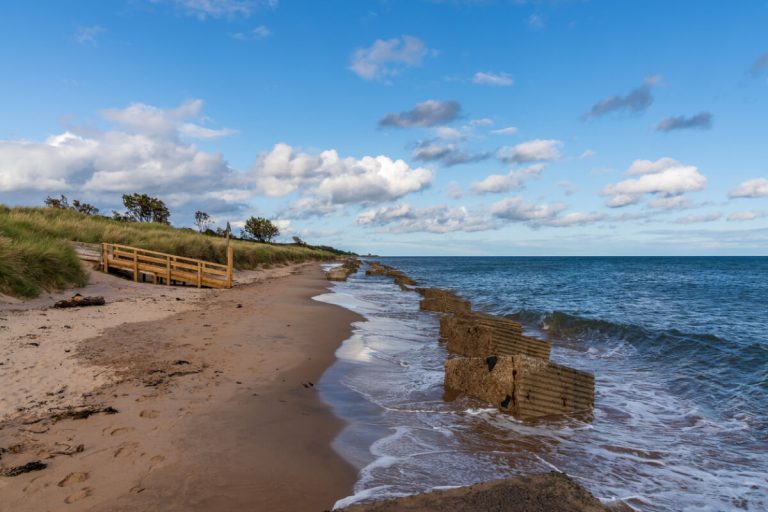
[[135, 265], [230, 265], [179, 269]]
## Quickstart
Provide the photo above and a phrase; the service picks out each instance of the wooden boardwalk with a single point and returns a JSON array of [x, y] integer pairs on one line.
[[162, 268]]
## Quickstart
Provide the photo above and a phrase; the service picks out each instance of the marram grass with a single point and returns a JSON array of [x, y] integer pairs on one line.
[[35, 256], [31, 264]]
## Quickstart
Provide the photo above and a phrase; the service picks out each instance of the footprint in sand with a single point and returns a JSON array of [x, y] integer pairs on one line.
[[79, 495], [118, 431], [73, 478], [155, 461], [126, 449], [36, 484], [149, 414]]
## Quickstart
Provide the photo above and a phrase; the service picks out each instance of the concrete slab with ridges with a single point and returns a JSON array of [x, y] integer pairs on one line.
[[442, 301], [474, 335], [527, 387]]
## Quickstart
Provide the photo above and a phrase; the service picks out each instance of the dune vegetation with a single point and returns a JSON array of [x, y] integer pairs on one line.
[[35, 255]]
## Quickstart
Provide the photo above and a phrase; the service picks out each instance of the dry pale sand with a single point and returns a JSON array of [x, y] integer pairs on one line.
[[38, 369], [217, 408]]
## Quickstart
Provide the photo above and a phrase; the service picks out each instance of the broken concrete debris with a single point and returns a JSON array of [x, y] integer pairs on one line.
[[528, 387], [378, 269], [500, 364], [480, 335], [442, 301], [347, 268]]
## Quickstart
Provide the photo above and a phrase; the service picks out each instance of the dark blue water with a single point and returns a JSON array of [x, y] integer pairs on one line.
[[679, 348]]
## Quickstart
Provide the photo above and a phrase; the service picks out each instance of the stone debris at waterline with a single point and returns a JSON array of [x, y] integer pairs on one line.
[[501, 365], [378, 269], [528, 387], [550, 492], [481, 335], [349, 267], [442, 301]]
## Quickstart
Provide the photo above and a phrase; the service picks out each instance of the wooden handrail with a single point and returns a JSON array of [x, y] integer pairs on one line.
[[168, 267], [166, 255]]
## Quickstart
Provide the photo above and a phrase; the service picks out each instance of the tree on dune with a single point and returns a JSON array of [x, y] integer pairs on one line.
[[62, 203], [143, 208], [260, 229], [203, 221]]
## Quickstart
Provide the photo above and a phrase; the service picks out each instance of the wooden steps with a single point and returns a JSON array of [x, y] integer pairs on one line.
[[165, 268]]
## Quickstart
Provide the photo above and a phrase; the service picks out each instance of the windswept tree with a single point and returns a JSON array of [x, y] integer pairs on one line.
[[299, 241], [203, 221], [260, 229], [85, 208], [144, 208], [62, 203]]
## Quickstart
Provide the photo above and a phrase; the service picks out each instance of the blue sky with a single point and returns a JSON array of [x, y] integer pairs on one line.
[[403, 127]]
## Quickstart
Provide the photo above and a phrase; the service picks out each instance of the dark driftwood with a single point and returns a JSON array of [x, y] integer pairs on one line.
[[74, 414], [78, 300], [26, 468]]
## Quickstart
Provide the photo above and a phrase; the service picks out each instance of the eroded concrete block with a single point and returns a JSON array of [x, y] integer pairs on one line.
[[481, 335], [337, 274], [348, 267], [442, 301], [552, 492], [400, 278], [490, 380], [527, 387]]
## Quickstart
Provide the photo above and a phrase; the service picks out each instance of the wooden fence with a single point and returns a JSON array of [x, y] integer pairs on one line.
[[167, 268]]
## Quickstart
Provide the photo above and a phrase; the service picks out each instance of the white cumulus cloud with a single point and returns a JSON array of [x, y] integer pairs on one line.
[[509, 130], [284, 170], [665, 178], [516, 209], [745, 216], [497, 183], [757, 187], [436, 219], [537, 150], [575, 219], [489, 78], [695, 219], [143, 150], [388, 57], [203, 9]]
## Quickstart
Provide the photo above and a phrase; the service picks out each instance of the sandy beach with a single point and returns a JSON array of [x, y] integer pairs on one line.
[[216, 407]]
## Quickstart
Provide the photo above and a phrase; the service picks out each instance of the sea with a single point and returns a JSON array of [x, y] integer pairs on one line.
[[678, 347]]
